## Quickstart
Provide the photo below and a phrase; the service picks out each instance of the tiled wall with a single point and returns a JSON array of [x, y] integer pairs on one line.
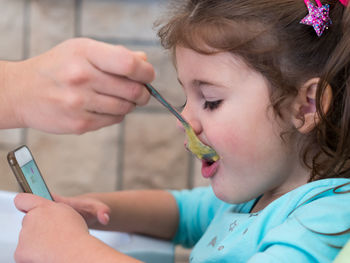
[[146, 150]]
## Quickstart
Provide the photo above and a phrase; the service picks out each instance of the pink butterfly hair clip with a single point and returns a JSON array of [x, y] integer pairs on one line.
[[318, 16]]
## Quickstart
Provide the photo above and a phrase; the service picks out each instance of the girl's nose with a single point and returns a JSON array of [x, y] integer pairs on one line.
[[191, 119]]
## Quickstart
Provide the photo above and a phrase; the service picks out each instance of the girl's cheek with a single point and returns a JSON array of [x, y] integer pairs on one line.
[[224, 141], [236, 143]]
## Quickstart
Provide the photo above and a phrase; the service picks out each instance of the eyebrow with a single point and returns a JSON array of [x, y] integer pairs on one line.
[[198, 82]]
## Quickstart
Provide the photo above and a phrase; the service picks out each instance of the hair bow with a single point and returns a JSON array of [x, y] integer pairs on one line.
[[318, 16], [344, 2]]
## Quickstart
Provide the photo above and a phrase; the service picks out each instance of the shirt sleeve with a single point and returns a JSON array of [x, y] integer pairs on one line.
[[197, 208], [314, 232]]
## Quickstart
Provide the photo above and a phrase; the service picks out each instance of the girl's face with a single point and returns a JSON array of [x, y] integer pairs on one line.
[[228, 108]]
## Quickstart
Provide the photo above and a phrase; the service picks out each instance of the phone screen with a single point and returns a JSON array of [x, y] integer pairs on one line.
[[34, 179]]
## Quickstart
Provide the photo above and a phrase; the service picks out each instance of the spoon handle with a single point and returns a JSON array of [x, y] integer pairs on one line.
[[163, 101]]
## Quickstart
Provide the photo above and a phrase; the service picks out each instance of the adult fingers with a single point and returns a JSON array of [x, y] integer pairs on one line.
[[120, 87], [109, 105], [93, 121], [119, 60], [102, 120]]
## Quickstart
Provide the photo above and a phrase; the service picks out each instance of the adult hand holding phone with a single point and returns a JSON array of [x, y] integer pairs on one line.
[[78, 86]]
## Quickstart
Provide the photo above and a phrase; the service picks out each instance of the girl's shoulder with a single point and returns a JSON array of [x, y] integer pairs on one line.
[[314, 193], [307, 224], [333, 188], [316, 204]]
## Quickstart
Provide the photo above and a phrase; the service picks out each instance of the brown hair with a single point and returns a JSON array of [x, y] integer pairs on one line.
[[269, 37]]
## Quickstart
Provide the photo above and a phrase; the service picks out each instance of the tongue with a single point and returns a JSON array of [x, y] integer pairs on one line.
[[209, 168]]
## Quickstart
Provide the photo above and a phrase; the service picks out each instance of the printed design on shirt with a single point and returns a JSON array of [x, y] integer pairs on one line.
[[253, 214], [233, 226], [245, 231], [220, 248], [212, 242]]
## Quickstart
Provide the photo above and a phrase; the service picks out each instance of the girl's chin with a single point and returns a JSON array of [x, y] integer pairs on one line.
[[227, 197], [230, 192], [222, 195]]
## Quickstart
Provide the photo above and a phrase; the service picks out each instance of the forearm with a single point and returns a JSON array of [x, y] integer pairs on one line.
[[8, 113], [149, 212], [92, 250]]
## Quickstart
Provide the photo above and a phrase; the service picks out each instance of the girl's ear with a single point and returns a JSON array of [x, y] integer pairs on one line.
[[305, 117]]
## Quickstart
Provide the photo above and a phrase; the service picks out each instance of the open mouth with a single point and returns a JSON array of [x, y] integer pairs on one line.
[[209, 168], [208, 162]]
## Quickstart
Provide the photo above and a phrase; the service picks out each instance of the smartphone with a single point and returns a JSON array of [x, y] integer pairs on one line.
[[27, 172]]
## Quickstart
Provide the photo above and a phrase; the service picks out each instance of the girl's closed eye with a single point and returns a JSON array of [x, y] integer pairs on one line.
[[212, 105]]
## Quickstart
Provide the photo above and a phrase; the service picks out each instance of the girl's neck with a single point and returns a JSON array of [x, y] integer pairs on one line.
[[263, 202], [300, 178]]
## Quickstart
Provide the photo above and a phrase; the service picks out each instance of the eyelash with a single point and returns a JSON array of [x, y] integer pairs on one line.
[[212, 105], [183, 106]]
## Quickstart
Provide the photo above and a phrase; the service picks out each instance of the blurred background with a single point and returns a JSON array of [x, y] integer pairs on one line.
[[146, 149]]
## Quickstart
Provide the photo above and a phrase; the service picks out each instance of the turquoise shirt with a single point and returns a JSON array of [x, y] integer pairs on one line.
[[287, 230], [344, 255]]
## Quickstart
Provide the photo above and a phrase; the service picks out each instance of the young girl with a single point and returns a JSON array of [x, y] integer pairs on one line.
[[267, 86]]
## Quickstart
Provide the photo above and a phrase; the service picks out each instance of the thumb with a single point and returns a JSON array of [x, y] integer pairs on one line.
[[25, 202], [119, 60]]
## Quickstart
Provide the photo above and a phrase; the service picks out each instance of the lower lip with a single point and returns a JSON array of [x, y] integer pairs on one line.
[[209, 170]]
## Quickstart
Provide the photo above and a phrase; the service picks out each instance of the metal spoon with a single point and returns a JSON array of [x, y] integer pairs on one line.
[[202, 151]]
